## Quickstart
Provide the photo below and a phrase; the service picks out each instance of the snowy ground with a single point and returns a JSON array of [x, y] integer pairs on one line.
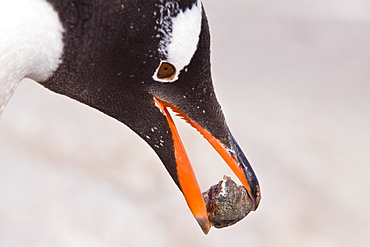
[[293, 77]]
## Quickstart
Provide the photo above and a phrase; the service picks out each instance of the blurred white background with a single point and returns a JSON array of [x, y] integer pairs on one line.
[[293, 79]]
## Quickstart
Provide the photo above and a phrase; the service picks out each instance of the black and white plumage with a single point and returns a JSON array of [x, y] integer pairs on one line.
[[130, 59]]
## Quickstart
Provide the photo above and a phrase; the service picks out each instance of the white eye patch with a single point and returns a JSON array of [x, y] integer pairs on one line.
[[180, 36]]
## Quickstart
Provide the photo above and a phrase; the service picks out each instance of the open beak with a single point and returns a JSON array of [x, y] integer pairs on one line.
[[232, 155]]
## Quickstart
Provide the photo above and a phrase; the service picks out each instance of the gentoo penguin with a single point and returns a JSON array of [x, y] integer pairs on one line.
[[132, 60]]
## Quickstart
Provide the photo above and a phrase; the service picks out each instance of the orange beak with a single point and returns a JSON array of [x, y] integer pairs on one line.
[[186, 177]]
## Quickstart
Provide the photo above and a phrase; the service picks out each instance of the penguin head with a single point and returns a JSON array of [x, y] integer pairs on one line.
[[136, 62]]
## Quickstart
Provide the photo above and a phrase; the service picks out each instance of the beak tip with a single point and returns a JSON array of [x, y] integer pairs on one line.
[[205, 224]]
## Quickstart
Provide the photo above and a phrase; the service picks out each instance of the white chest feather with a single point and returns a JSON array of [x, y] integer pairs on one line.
[[30, 43]]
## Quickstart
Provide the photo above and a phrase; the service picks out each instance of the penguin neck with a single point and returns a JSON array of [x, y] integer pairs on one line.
[[31, 44]]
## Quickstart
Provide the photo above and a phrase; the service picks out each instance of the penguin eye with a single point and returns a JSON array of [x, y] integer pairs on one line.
[[166, 71]]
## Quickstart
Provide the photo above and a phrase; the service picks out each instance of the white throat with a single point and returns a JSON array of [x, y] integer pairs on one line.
[[30, 43]]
